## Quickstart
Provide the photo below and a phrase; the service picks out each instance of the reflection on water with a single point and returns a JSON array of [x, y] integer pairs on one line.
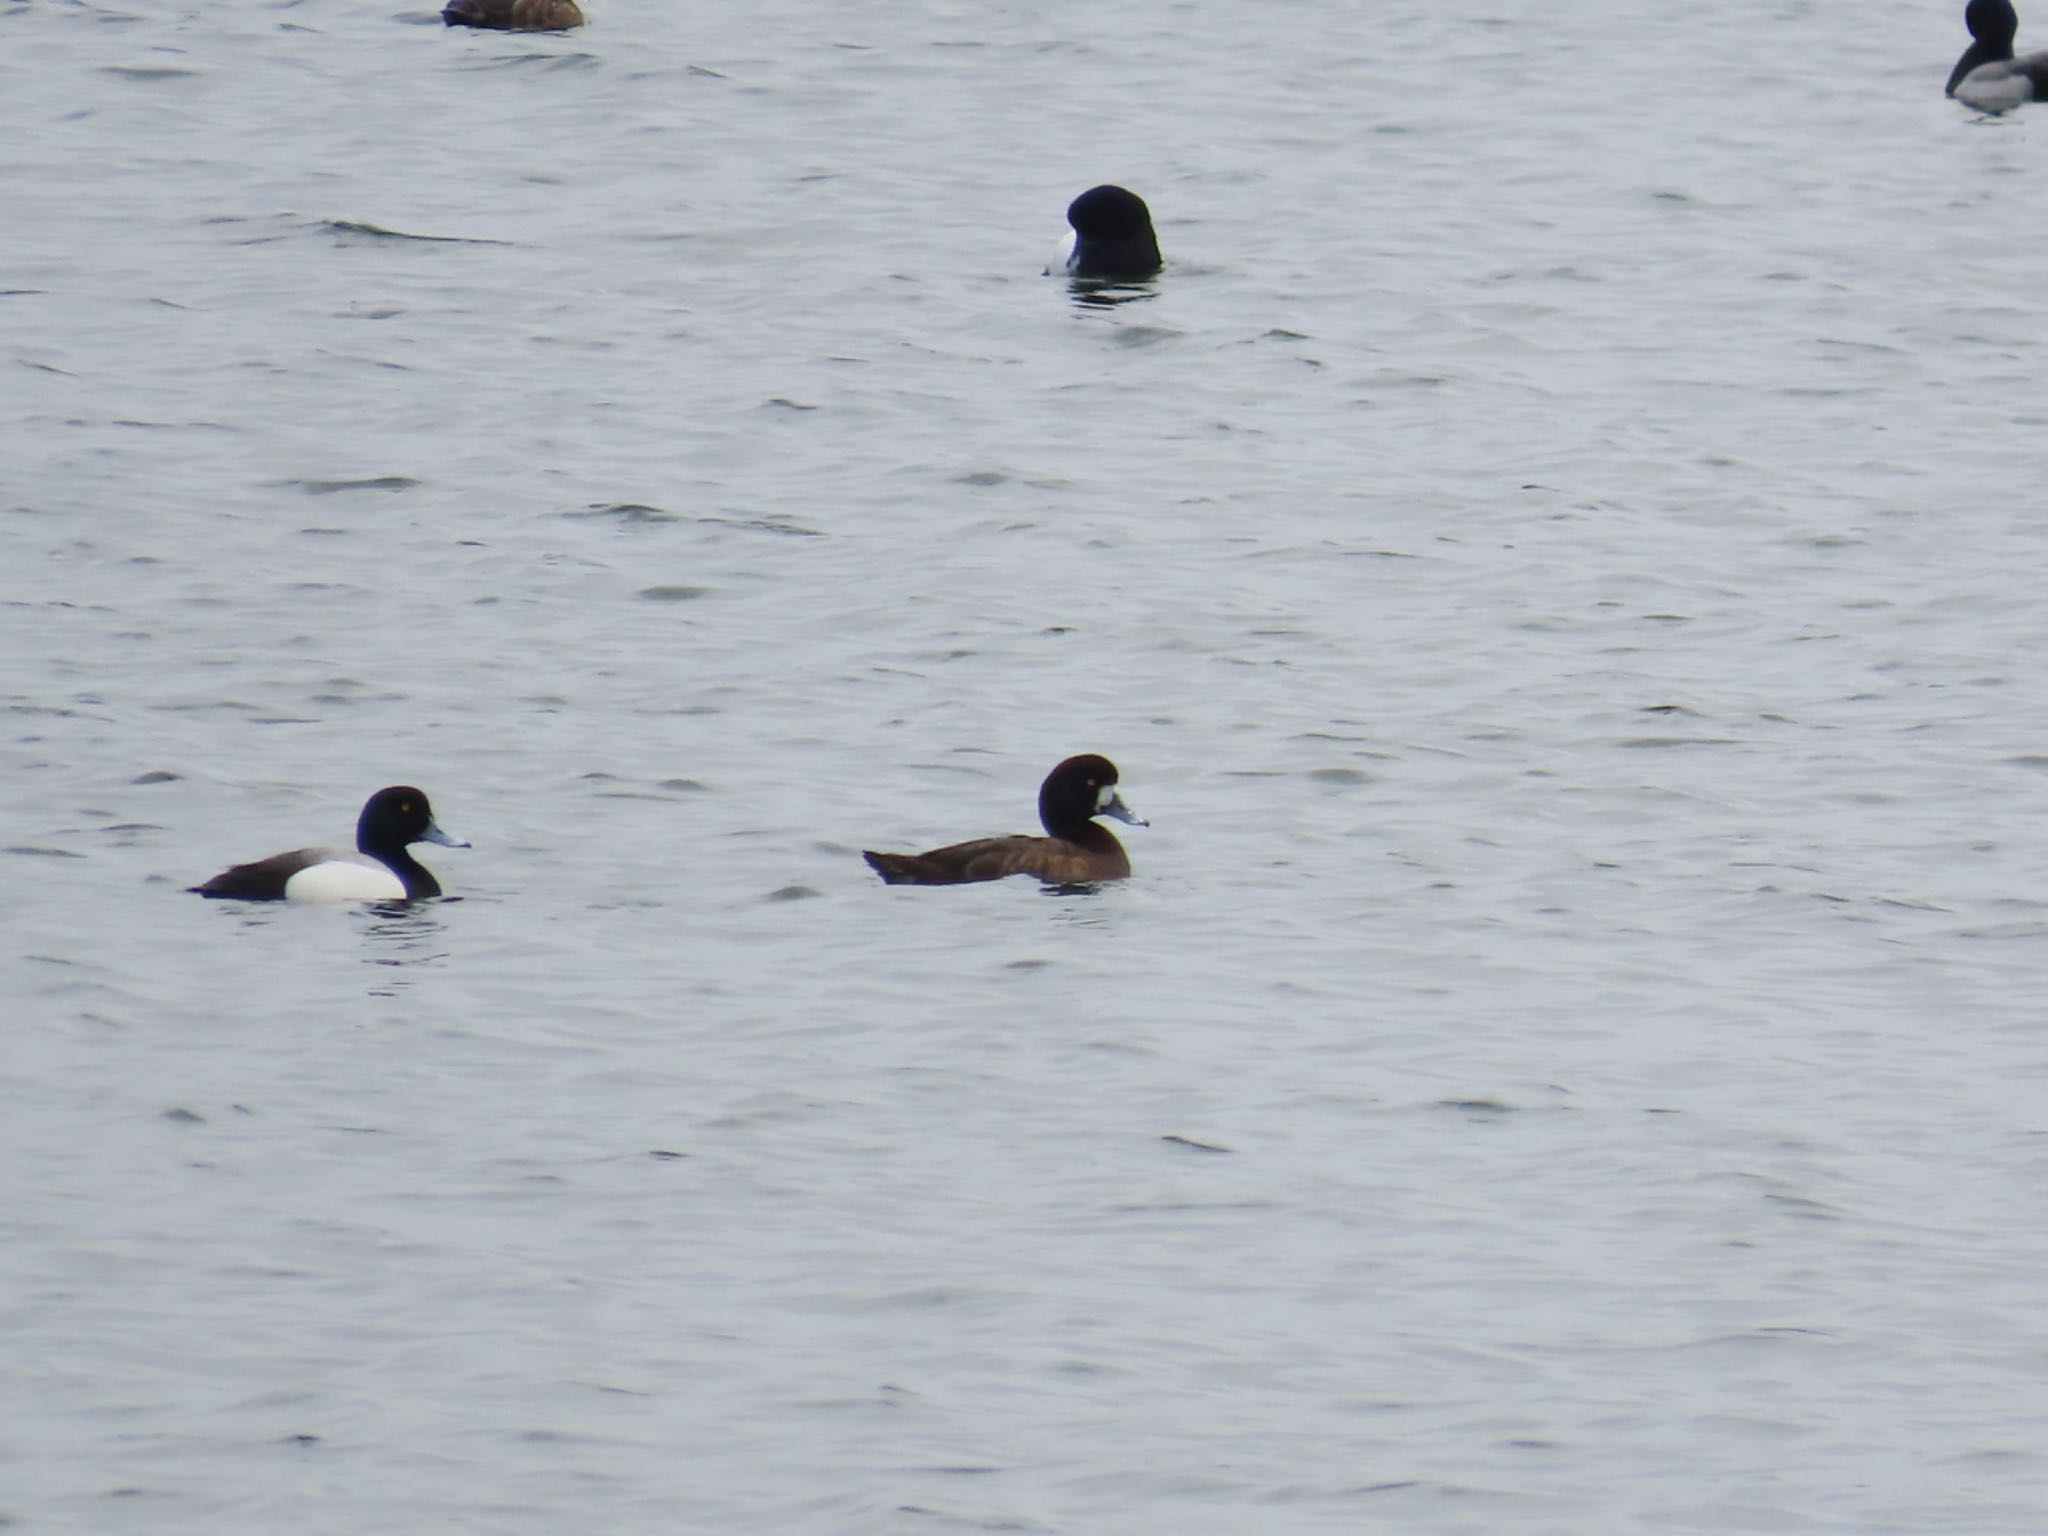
[[1094, 293], [1080, 907], [402, 932], [1073, 888]]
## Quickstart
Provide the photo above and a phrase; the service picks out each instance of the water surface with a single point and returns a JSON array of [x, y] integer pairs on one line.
[[1555, 557]]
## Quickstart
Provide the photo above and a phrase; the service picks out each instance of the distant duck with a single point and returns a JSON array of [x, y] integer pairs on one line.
[[1112, 236], [1987, 76], [381, 870], [513, 15], [1074, 851]]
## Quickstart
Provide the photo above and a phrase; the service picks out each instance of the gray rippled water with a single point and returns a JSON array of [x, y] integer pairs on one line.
[[1554, 556]]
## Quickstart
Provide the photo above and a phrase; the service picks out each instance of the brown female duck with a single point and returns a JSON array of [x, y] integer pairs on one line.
[[1074, 851], [513, 15]]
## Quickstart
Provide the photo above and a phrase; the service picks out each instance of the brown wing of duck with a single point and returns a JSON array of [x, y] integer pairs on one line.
[[1054, 860], [514, 15]]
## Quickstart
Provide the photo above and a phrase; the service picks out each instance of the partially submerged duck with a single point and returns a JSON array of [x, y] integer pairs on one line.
[[381, 869], [1074, 851], [513, 15], [1112, 236], [1987, 76]]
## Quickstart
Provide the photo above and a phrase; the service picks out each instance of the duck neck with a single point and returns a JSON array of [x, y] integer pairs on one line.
[[1092, 835], [1993, 50]]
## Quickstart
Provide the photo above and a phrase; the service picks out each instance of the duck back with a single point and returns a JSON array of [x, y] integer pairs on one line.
[[513, 15]]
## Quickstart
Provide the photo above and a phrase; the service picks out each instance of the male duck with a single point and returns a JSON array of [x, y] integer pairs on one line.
[[392, 820], [1112, 236], [1987, 76]]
